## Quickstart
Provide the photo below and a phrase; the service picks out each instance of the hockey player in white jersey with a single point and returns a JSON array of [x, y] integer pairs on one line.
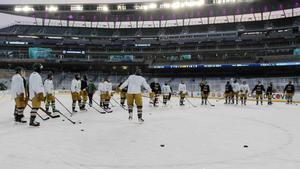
[[236, 88], [101, 89], [50, 95], [36, 92], [244, 90], [134, 94], [106, 92], [19, 94], [75, 92], [166, 90], [182, 92]]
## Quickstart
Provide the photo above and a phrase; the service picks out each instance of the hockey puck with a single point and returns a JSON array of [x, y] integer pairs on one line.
[[82, 130], [63, 120], [245, 146], [162, 145], [79, 122]]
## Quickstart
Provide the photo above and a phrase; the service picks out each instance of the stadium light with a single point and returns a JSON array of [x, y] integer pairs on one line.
[[152, 6], [24, 9], [103, 8], [76, 8], [52, 8], [176, 5], [165, 5]]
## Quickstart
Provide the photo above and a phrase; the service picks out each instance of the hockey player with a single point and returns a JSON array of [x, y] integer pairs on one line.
[[83, 92], [289, 92], [101, 88], [156, 91], [107, 93], [36, 92], [49, 90], [91, 89], [166, 90], [134, 94], [259, 89], [75, 91], [205, 90], [182, 92], [19, 93], [244, 90], [228, 92], [123, 94], [269, 93], [235, 91]]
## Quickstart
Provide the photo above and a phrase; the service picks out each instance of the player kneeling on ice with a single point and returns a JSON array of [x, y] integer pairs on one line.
[[19, 93], [49, 90], [205, 90], [36, 92], [134, 94], [289, 92], [269, 93], [244, 90], [166, 91], [259, 89], [75, 92], [182, 92]]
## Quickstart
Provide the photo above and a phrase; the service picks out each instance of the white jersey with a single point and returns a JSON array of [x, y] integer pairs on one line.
[[135, 83], [35, 85], [182, 87], [17, 85], [244, 88], [49, 87], [235, 87], [166, 89], [76, 86], [105, 87], [101, 87]]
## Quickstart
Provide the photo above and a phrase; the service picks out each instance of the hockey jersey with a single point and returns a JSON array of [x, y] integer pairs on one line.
[[235, 87], [17, 86], [135, 83], [205, 89], [244, 89], [182, 88], [166, 89], [75, 86], [35, 85], [49, 87], [289, 88], [259, 89], [105, 87]]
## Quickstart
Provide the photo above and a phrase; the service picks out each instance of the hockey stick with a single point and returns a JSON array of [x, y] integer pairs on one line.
[[119, 104], [63, 106], [73, 122], [102, 107], [44, 119], [212, 105], [190, 102], [98, 110]]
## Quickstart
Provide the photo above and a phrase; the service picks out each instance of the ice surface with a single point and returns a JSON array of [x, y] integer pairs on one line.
[[195, 138]]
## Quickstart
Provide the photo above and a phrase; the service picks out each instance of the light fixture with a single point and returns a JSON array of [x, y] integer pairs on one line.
[[52, 8], [76, 8], [24, 9]]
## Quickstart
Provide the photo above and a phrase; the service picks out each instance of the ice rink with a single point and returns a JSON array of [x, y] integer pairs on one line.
[[204, 137]]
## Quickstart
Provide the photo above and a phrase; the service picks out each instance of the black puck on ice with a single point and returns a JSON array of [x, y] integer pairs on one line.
[[81, 130], [63, 120], [162, 145], [79, 122], [245, 146]]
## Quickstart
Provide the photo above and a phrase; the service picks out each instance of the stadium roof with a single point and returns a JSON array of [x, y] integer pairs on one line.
[[72, 1]]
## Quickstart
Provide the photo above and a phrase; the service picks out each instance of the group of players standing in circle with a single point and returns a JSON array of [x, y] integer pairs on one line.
[[131, 90]]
